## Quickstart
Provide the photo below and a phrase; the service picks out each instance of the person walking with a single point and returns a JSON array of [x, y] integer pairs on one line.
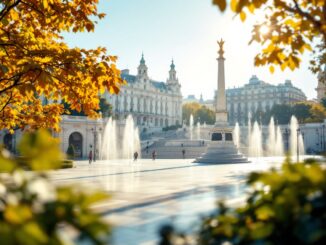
[[90, 156], [183, 153], [153, 155], [135, 156]]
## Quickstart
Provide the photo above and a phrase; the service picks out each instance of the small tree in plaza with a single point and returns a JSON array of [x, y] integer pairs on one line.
[[35, 212], [71, 152], [36, 65]]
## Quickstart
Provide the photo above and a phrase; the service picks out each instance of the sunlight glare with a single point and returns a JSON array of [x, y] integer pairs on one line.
[[264, 29]]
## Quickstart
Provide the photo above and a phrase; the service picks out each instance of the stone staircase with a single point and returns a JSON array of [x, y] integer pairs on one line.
[[166, 151], [221, 153]]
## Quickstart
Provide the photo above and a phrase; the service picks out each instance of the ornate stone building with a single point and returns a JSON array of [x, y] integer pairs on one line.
[[153, 104], [259, 95]]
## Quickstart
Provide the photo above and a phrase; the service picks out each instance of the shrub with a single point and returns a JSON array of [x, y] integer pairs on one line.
[[172, 127], [33, 211], [67, 164], [71, 152], [286, 206]]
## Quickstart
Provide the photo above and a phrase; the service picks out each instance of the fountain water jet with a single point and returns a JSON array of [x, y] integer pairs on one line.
[[198, 130], [271, 142], [255, 141], [236, 135], [131, 142], [191, 125], [275, 140], [109, 146], [279, 146], [294, 126]]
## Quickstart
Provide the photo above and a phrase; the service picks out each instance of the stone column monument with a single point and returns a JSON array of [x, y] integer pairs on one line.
[[221, 149], [221, 112]]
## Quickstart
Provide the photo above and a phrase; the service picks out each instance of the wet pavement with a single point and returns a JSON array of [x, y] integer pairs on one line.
[[147, 194]]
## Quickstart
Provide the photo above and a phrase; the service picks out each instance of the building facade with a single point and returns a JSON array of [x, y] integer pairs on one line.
[[256, 95], [153, 104], [259, 95]]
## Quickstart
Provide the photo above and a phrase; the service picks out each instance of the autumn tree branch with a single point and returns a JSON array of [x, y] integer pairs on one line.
[[318, 24], [7, 103], [6, 10]]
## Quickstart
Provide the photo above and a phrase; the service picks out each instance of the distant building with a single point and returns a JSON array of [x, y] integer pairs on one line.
[[190, 99], [259, 95], [153, 104], [321, 88]]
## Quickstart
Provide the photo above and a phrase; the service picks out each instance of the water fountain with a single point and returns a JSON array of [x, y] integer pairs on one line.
[[279, 146], [191, 125], [130, 142], [255, 141], [271, 141], [294, 136], [198, 130], [275, 140], [236, 135], [249, 129], [109, 147]]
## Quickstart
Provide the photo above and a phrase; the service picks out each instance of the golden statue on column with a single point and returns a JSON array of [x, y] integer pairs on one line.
[[220, 44]]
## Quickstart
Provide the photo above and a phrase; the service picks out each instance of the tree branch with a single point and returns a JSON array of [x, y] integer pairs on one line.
[[7, 103], [6, 10], [318, 24]]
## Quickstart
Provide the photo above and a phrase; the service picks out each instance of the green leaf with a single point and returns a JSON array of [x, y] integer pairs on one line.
[[40, 150]]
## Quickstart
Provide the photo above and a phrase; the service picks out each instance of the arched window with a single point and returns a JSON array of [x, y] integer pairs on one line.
[[8, 142]]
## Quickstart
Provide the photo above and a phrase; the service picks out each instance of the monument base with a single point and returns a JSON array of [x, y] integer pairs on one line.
[[221, 149]]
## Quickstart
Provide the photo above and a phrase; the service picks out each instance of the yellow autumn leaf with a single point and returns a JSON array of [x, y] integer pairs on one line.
[[271, 69], [242, 16]]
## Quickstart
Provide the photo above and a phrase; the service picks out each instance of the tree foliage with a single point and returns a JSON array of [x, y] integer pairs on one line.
[[200, 113], [293, 27], [284, 206], [34, 211], [36, 64], [305, 112], [105, 109]]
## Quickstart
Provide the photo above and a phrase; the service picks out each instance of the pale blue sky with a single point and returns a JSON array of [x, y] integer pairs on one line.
[[186, 31]]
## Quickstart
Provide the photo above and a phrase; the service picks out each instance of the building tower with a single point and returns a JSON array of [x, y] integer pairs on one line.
[[172, 74], [142, 69], [173, 81]]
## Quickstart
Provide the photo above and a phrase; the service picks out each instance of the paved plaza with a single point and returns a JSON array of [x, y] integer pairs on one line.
[[147, 194]]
